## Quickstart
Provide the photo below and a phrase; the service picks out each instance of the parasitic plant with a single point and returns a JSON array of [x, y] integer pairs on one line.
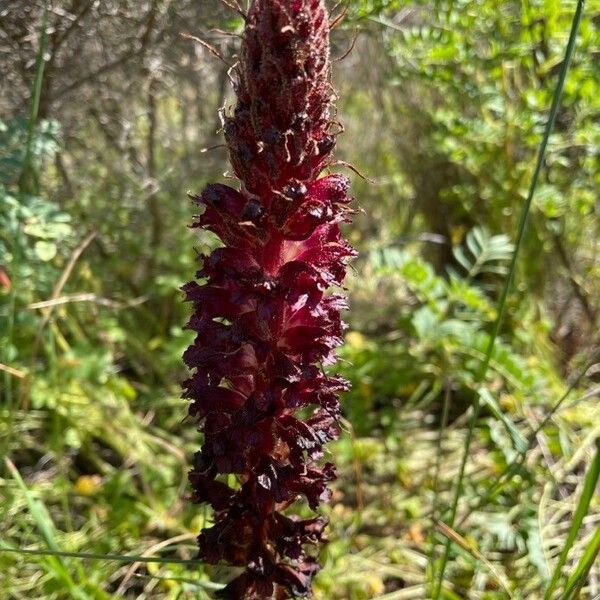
[[265, 322]]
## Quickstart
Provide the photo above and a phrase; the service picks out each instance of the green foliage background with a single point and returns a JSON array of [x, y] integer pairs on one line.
[[444, 105]]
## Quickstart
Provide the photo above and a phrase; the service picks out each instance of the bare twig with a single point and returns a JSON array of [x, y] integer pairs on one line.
[[136, 565], [12, 371], [95, 74], [86, 297], [460, 541], [360, 497], [225, 33], [62, 280], [211, 49], [145, 38], [343, 163], [234, 5], [60, 38], [337, 20], [343, 56], [578, 289], [48, 305]]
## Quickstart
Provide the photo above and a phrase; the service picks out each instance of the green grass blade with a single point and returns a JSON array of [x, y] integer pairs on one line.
[[37, 510], [436, 477], [582, 570], [45, 526], [589, 487], [508, 282], [27, 176]]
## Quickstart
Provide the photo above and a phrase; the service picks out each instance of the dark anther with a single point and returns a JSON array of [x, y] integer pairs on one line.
[[272, 136], [295, 191], [253, 210], [326, 144], [300, 120]]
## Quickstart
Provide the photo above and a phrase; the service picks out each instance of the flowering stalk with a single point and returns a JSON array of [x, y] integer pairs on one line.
[[265, 324]]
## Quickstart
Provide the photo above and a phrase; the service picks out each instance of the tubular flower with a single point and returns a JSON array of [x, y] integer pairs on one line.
[[264, 319]]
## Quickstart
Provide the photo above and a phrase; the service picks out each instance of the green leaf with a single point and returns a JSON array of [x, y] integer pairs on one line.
[[460, 256], [485, 252], [519, 442], [45, 251], [425, 323]]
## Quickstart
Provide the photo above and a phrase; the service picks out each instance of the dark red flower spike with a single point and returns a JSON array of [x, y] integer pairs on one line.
[[265, 321]]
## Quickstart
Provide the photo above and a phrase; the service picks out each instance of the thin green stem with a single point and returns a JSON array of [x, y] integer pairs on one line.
[[8, 378], [572, 386], [116, 557], [438, 460], [436, 477], [24, 178], [23, 187], [508, 283], [126, 558]]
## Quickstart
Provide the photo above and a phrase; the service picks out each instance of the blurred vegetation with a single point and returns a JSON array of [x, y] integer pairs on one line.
[[444, 104]]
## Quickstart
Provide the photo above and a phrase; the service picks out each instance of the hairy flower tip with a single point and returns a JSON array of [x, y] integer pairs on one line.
[[265, 321], [281, 127]]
